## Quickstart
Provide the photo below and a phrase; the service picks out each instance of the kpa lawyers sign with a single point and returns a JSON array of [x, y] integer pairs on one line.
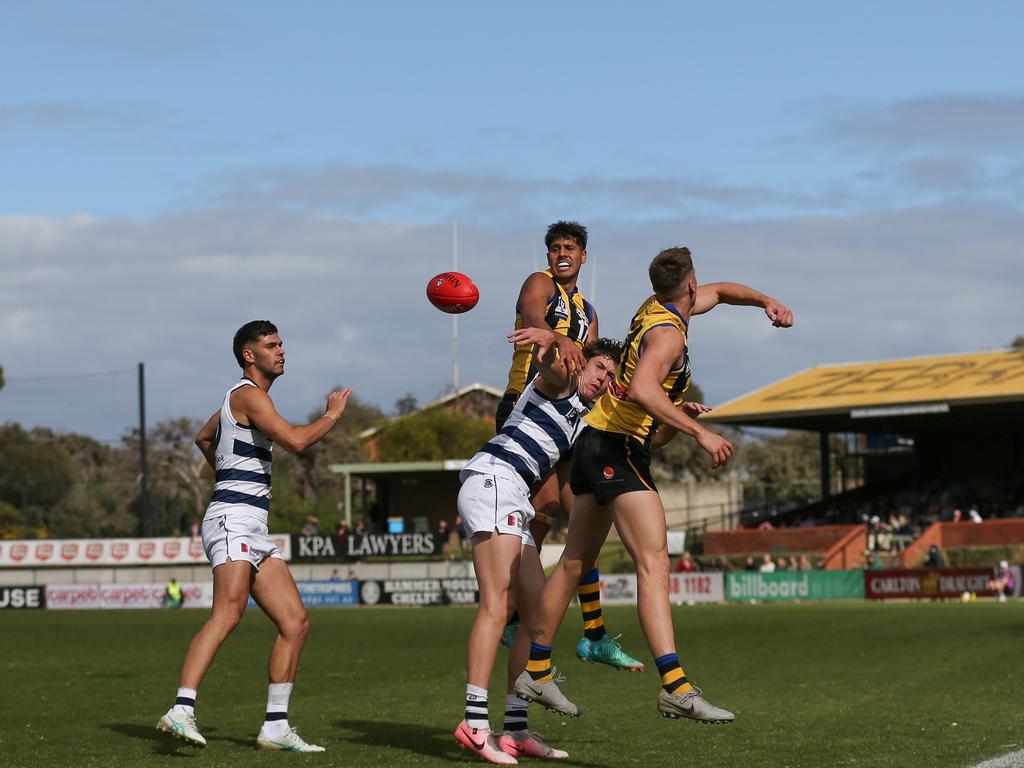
[[313, 548]]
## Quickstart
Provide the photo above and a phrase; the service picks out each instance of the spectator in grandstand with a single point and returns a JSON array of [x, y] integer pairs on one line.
[[173, 597], [934, 559], [361, 528], [794, 564], [311, 528], [781, 565], [957, 515], [749, 564], [805, 563], [335, 575], [767, 564], [460, 530], [441, 536], [1004, 583], [341, 532], [871, 561], [685, 564], [973, 515]]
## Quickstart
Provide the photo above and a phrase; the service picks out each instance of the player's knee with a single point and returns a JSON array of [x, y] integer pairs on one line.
[[571, 567], [227, 614], [653, 565], [295, 627]]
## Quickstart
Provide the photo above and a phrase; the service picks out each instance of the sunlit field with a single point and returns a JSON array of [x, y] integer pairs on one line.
[[912, 684]]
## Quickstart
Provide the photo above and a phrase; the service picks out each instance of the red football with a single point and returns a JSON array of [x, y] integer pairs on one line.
[[452, 292]]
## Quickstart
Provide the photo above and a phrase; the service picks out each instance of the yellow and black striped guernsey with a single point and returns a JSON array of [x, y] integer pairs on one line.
[[567, 313], [613, 411]]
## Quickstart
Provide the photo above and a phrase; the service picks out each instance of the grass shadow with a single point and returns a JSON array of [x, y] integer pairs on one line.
[[165, 744], [413, 738]]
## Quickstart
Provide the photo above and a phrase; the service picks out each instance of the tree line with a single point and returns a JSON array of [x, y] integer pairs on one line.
[[59, 485]]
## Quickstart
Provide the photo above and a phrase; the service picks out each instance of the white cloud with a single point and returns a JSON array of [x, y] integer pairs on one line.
[[85, 295]]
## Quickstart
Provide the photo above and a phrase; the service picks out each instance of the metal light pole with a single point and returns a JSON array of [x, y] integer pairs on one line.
[[143, 473]]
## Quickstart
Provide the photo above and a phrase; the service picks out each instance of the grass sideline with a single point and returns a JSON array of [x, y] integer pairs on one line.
[[819, 684]]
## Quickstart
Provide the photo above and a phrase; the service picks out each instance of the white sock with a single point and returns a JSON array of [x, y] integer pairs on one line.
[[476, 707], [278, 694], [186, 701]]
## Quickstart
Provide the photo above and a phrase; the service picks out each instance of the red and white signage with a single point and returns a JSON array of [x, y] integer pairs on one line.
[[618, 589], [683, 588], [198, 594], [933, 583], [696, 587], [75, 552]]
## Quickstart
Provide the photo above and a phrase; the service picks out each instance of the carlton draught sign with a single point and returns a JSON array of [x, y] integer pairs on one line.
[[933, 583]]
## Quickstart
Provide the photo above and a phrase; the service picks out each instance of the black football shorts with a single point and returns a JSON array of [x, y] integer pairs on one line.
[[608, 464]]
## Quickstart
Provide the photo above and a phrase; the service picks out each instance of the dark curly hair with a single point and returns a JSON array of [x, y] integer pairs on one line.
[[570, 229]]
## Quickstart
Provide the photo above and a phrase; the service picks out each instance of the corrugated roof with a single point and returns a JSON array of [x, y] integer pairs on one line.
[[914, 383]]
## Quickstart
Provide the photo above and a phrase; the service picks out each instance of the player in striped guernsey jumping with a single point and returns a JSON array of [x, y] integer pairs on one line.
[[494, 503], [551, 300], [237, 442], [611, 476]]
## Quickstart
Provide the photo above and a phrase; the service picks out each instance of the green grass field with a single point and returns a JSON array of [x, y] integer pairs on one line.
[[920, 684]]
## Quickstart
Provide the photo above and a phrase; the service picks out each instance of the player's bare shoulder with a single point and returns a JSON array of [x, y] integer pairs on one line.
[[536, 290], [246, 401]]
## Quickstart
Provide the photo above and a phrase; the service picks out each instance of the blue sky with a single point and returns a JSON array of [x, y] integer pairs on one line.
[[174, 169]]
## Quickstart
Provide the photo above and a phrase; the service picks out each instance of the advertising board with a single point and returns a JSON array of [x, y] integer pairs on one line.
[[926, 583]]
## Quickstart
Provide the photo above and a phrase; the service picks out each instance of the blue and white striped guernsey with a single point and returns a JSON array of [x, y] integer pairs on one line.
[[538, 433], [243, 466]]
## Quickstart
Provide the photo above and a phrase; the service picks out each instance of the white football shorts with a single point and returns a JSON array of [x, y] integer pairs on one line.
[[237, 537], [488, 503]]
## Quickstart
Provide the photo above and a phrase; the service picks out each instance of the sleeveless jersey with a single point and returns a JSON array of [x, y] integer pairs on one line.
[[537, 434], [613, 412], [243, 466], [567, 313]]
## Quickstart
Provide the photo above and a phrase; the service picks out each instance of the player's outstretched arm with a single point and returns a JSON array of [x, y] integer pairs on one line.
[[258, 409], [710, 295], [206, 439], [554, 375], [666, 434], [662, 347], [532, 307]]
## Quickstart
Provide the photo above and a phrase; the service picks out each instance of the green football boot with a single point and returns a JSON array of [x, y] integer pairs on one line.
[[607, 651]]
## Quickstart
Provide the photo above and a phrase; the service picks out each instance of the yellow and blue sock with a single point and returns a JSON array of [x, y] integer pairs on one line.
[[673, 679], [589, 593], [539, 665]]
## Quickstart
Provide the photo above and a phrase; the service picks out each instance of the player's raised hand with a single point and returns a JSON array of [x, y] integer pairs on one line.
[[336, 402], [693, 410], [716, 446], [571, 354], [538, 336], [780, 315]]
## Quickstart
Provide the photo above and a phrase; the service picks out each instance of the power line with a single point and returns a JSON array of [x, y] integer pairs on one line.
[[69, 375]]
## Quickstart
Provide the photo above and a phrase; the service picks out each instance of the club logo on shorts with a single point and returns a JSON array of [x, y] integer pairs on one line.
[[608, 473]]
